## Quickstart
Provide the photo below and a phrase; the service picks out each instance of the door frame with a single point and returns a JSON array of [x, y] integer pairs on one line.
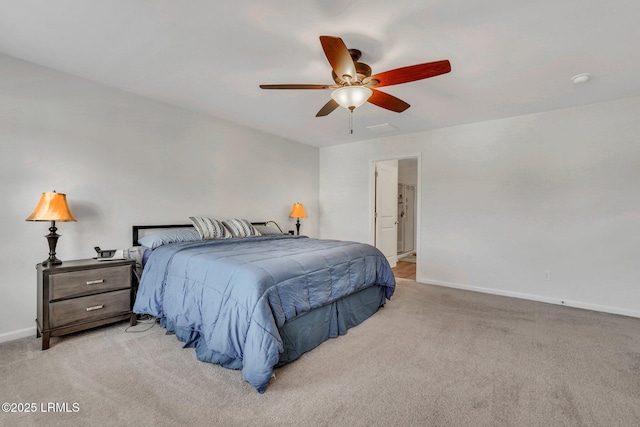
[[372, 199]]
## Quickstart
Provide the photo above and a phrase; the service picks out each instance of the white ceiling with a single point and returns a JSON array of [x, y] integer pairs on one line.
[[508, 57]]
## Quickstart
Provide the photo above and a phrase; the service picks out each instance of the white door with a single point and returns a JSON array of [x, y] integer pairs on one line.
[[386, 214]]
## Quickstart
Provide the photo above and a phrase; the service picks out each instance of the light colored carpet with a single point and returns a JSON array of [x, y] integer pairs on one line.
[[431, 357]]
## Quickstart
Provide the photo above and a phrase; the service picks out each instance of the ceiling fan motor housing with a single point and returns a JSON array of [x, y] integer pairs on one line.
[[362, 72]]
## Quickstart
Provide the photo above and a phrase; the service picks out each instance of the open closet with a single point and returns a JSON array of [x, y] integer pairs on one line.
[[406, 218], [407, 211]]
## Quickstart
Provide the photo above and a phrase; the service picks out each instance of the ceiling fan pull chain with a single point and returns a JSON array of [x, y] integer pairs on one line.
[[351, 121]]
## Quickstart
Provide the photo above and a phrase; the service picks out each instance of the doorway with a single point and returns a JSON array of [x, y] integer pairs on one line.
[[395, 213], [407, 208], [406, 220]]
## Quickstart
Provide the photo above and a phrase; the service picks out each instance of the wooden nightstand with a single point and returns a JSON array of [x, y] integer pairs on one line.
[[83, 294]]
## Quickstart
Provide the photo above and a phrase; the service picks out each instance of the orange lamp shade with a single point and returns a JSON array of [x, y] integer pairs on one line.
[[297, 211], [52, 207]]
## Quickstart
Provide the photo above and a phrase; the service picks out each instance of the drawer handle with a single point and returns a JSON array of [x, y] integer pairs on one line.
[[95, 307], [95, 282]]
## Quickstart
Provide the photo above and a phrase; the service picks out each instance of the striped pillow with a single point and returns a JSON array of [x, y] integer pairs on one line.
[[241, 228], [209, 228]]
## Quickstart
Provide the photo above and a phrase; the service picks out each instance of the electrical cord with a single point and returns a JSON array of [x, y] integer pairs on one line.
[[135, 270], [142, 319]]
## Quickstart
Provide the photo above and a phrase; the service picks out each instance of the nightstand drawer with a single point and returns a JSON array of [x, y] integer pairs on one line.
[[86, 282], [89, 308]]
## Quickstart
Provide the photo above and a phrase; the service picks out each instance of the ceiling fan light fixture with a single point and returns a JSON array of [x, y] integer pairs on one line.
[[351, 97]]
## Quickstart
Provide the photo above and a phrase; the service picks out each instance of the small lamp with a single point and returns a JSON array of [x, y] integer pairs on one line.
[[297, 211], [52, 207]]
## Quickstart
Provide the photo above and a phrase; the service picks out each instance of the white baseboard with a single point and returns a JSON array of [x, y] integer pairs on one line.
[[16, 335], [531, 297]]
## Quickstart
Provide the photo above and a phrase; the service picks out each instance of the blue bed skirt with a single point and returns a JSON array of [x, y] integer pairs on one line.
[[302, 333]]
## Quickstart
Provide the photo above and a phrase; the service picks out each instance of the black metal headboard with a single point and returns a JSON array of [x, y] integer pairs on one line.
[[136, 228]]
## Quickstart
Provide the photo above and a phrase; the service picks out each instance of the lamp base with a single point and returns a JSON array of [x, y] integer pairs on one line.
[[298, 226], [50, 262], [52, 239]]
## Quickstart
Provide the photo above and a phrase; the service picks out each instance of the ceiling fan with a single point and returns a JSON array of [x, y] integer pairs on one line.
[[354, 83]]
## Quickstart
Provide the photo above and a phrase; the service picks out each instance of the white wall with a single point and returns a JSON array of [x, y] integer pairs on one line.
[[504, 202], [124, 160]]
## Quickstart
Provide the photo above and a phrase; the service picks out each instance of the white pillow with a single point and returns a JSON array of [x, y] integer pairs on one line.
[[159, 238], [266, 229]]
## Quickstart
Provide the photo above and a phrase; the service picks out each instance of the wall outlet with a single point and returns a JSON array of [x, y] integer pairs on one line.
[[547, 275]]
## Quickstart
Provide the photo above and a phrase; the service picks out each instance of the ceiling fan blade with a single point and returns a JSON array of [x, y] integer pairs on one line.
[[339, 57], [387, 101], [328, 108], [410, 73], [295, 86]]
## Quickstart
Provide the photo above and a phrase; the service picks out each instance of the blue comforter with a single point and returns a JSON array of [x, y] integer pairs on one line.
[[234, 294]]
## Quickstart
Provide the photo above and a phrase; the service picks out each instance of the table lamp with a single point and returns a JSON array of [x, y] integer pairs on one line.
[[297, 212], [52, 207]]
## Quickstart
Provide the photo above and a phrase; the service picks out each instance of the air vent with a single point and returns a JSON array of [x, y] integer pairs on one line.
[[383, 128]]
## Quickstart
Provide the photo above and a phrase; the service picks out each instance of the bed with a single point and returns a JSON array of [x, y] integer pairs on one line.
[[256, 302]]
